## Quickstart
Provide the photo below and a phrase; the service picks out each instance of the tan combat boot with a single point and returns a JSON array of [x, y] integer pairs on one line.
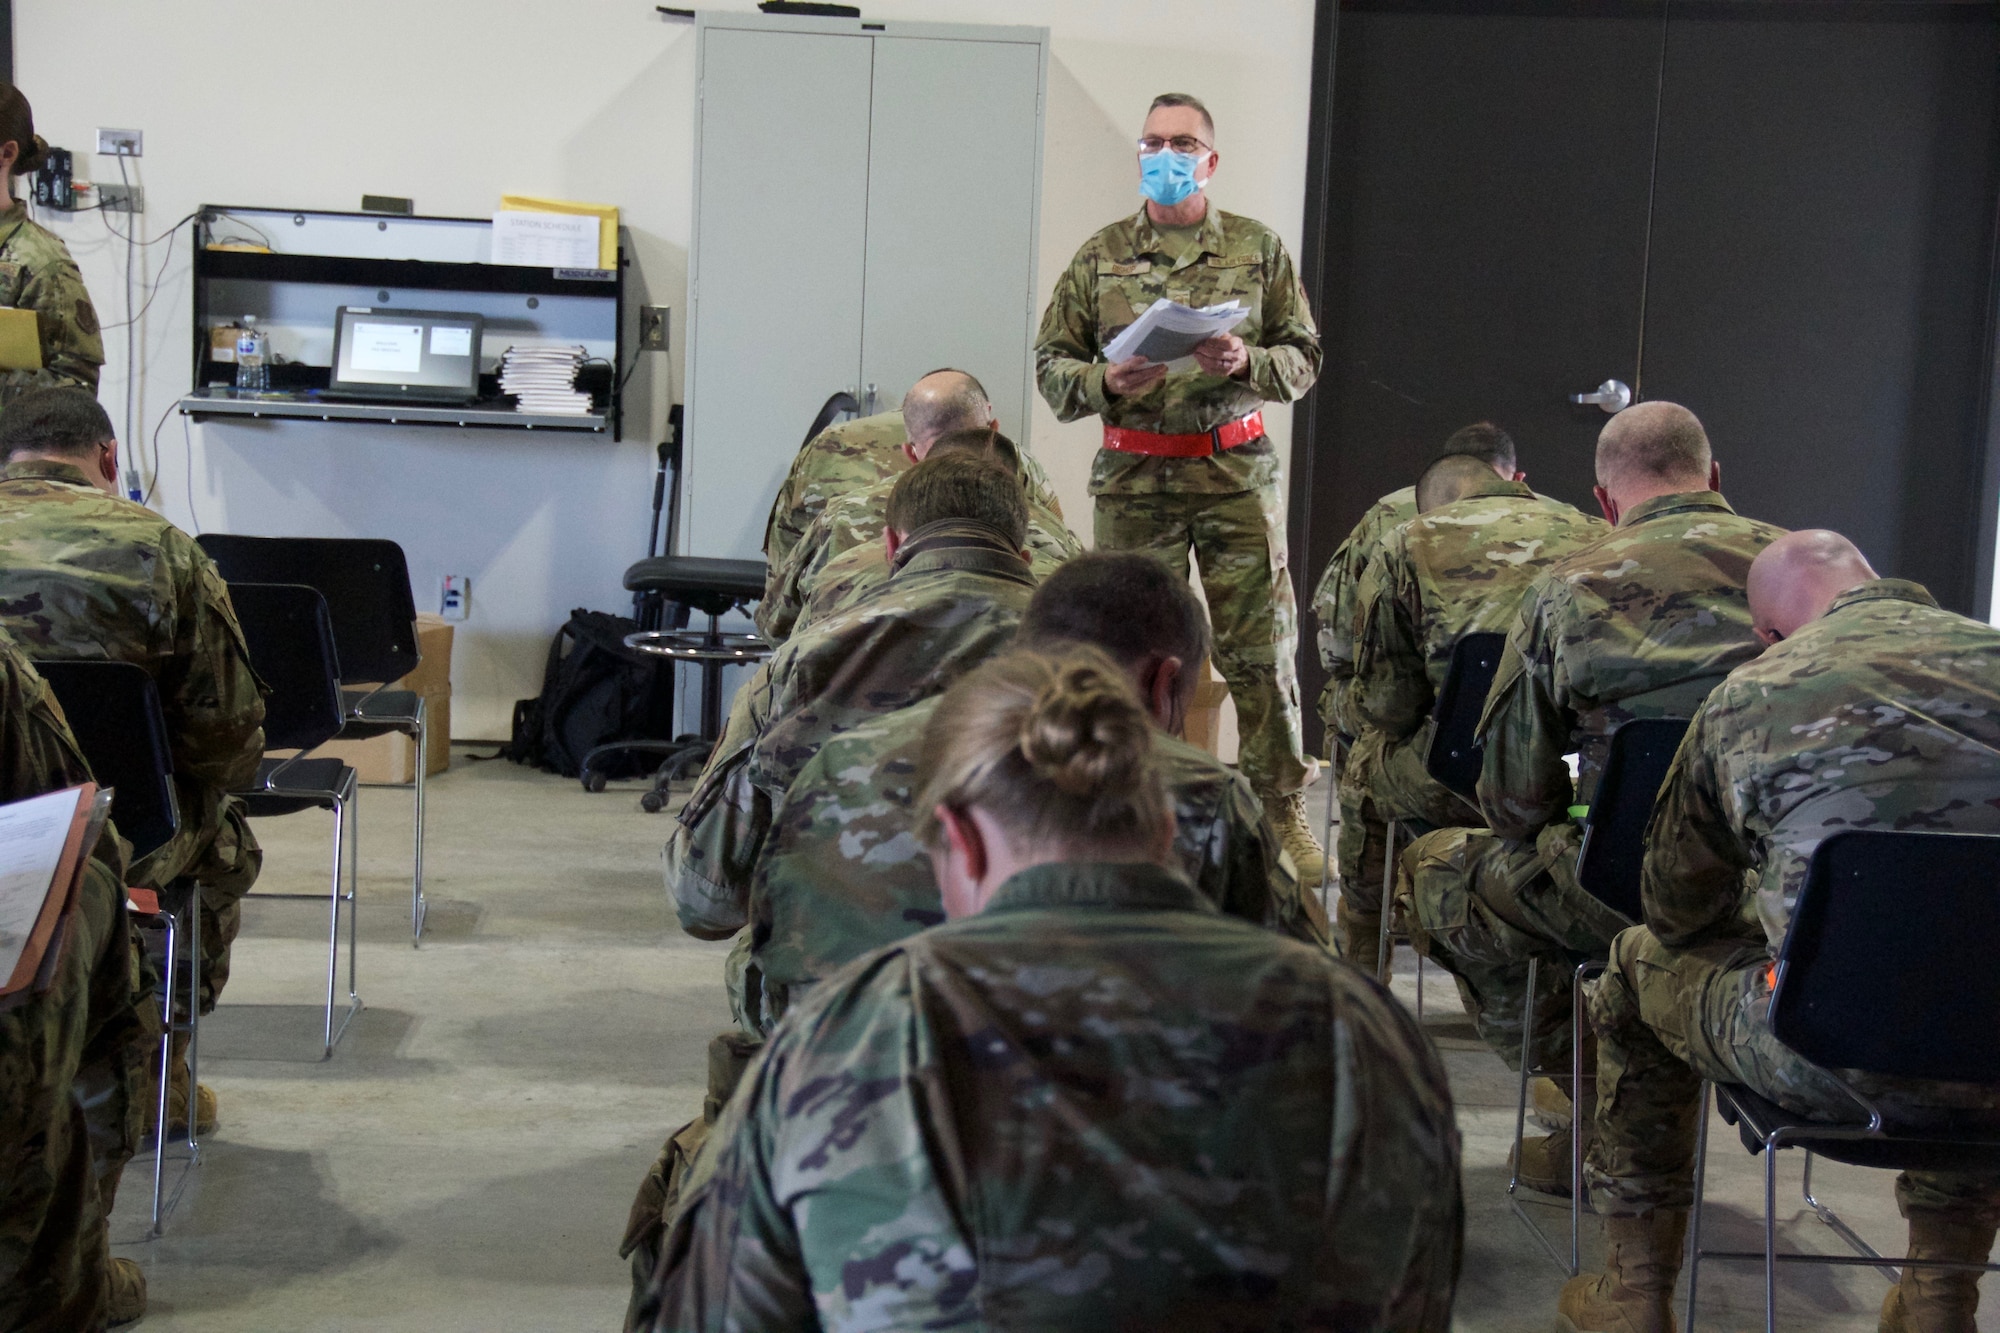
[[1938, 1300], [177, 1093], [1635, 1292], [1548, 1103], [128, 1293], [1287, 818]]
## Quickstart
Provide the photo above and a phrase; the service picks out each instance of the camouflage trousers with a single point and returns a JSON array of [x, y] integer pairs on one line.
[[1668, 1018], [1482, 906], [220, 854], [54, 1253], [659, 1197], [1239, 541]]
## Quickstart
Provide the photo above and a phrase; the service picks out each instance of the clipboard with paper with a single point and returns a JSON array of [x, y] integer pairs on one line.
[[1167, 332], [45, 843]]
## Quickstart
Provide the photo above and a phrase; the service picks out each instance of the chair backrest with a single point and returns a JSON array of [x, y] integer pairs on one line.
[[1614, 841], [366, 583], [1888, 964], [290, 636], [114, 713], [1456, 755]]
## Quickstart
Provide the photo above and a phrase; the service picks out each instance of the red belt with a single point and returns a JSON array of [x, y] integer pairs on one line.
[[1226, 436]]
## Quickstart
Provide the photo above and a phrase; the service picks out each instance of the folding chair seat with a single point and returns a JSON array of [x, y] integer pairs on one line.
[[1608, 868], [366, 584], [290, 637], [1887, 971]]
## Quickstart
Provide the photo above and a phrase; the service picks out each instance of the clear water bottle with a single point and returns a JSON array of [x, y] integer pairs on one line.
[[253, 363]]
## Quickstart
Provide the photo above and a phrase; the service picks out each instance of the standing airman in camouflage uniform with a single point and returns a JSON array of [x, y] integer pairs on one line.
[[841, 553], [1458, 568], [1363, 831], [854, 455], [1091, 1101], [1642, 624], [85, 573], [36, 271], [1186, 465], [56, 1273], [1872, 708]]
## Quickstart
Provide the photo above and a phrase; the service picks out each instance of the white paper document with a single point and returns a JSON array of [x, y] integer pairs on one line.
[[381, 346], [545, 240], [33, 834], [1167, 332]]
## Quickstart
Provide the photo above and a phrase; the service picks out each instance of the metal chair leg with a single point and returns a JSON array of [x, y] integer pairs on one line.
[[166, 1065], [1770, 1237], [1383, 956], [345, 818], [1694, 1220], [1572, 1265], [1838, 1225], [418, 907]]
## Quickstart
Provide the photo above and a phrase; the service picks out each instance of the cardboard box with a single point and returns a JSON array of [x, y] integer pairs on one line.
[[1203, 724], [391, 760]]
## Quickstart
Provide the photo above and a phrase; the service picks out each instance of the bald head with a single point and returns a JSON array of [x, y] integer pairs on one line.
[[1795, 579], [1452, 477], [1652, 449], [942, 401]]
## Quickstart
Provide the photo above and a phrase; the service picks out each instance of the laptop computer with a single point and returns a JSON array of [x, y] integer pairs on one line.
[[405, 356]]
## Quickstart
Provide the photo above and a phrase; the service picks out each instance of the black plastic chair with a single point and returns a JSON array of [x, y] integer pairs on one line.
[[1453, 759], [714, 588], [114, 712], [290, 636], [366, 584], [1609, 863], [1886, 969]]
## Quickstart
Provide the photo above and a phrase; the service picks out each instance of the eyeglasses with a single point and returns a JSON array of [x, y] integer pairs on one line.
[[1180, 143]]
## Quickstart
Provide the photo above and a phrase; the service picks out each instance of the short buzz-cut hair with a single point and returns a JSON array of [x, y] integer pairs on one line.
[[1128, 603], [1484, 441], [964, 486], [1452, 477], [65, 421], [1659, 441], [1192, 103], [983, 442], [964, 405]]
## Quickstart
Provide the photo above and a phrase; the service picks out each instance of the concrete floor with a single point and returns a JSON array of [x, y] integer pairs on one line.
[[466, 1159]]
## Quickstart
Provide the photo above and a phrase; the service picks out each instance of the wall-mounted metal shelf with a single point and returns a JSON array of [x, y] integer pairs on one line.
[[303, 407]]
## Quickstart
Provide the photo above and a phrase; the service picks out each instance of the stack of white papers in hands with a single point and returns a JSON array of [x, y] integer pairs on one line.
[[543, 380], [1167, 332]]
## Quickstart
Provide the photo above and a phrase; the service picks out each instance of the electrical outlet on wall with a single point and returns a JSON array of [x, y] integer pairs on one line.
[[456, 602], [121, 143], [653, 325]]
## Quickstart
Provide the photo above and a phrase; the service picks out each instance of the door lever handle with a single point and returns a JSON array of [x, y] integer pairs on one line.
[[1612, 395]]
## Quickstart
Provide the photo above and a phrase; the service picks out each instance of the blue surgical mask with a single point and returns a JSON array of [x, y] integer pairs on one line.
[[1167, 177]]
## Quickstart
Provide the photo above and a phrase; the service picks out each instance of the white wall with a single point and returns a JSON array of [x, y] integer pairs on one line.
[[453, 102]]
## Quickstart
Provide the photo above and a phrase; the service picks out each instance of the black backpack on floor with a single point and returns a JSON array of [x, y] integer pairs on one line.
[[595, 691]]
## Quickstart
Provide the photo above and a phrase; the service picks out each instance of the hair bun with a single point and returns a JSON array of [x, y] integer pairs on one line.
[[1083, 734], [33, 156]]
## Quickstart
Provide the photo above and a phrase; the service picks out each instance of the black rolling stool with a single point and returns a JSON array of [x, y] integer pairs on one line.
[[711, 587]]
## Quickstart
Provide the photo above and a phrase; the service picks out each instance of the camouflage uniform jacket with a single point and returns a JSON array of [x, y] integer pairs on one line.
[[1334, 606], [1883, 713], [952, 602], [1643, 623], [1460, 569], [851, 456], [845, 874], [85, 574], [1114, 277], [825, 556], [1098, 1104], [37, 273]]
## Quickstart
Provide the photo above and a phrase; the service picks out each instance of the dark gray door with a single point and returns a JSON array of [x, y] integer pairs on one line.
[[1781, 215]]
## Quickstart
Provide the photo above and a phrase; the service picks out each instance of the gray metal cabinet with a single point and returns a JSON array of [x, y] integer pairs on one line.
[[867, 200]]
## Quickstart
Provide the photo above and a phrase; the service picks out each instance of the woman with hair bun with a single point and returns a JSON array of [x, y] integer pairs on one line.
[[36, 271], [1087, 1101]]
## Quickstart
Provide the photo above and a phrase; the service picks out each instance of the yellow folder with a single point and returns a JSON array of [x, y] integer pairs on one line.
[[607, 215], [20, 340]]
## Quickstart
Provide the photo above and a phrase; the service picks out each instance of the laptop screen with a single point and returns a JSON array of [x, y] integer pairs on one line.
[[414, 353]]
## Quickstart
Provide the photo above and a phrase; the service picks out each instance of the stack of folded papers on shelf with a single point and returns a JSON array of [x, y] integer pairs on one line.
[[543, 380]]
